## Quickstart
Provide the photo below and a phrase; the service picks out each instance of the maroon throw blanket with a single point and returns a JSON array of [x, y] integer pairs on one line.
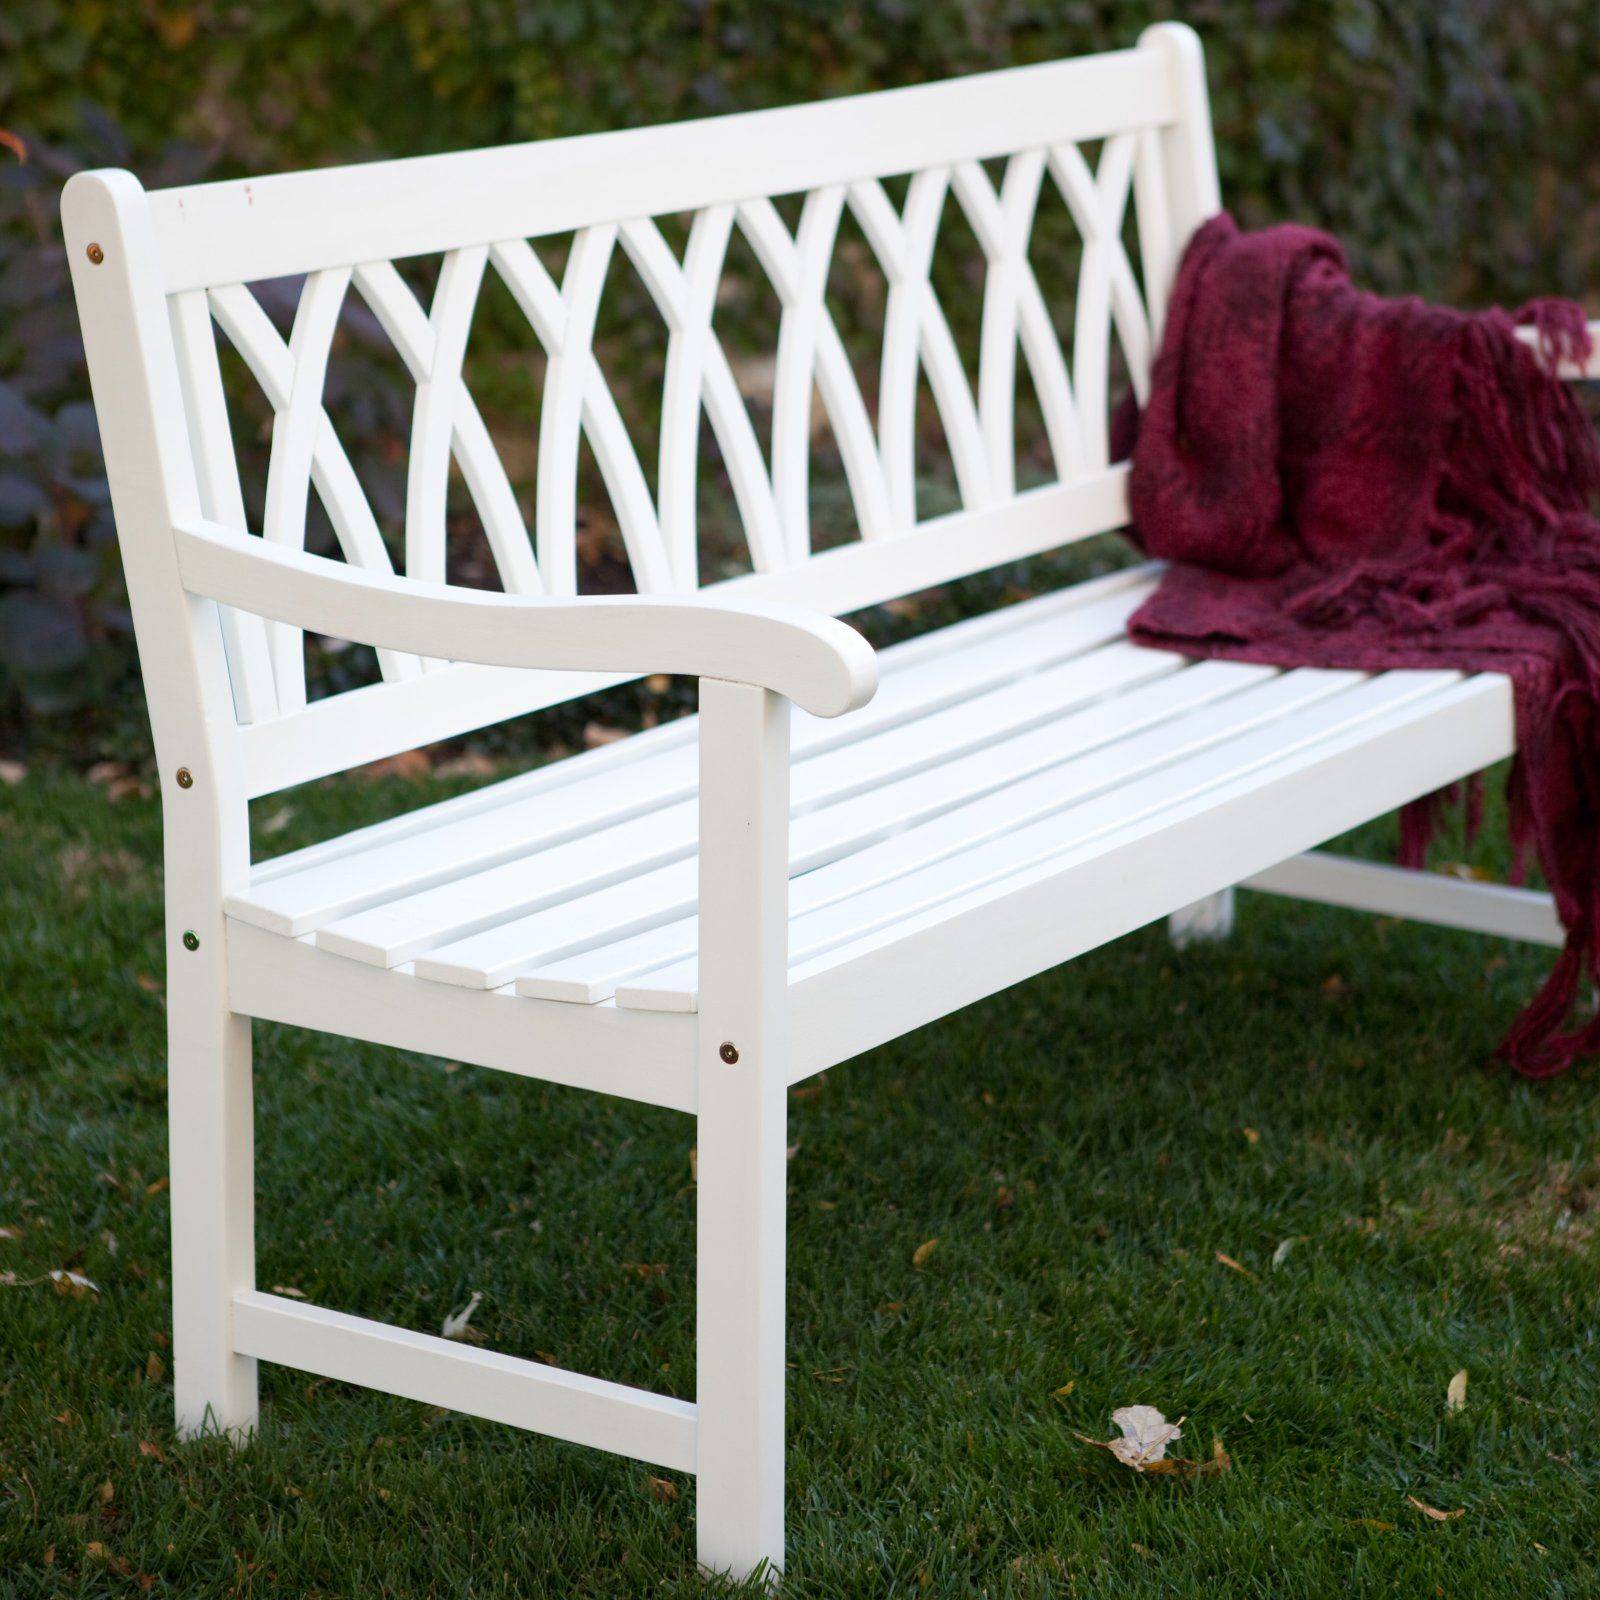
[[1342, 480]]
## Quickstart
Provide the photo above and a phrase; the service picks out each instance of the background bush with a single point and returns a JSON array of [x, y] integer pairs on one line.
[[1454, 145]]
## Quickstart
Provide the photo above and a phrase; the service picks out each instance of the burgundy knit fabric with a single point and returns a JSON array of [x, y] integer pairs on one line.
[[1341, 480]]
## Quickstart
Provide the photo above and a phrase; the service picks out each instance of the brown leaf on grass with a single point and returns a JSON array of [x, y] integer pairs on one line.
[[107, 1492], [153, 1189], [154, 1451], [1465, 871], [147, 983], [469, 764], [155, 1369], [1251, 1136], [11, 1232], [410, 764], [1433, 1513], [1376, 1523], [289, 1290], [919, 1256], [1455, 1395], [596, 734], [1232, 1265], [73, 1284], [663, 1489], [1064, 1390]]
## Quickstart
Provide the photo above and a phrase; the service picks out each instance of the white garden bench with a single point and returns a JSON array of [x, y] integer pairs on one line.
[[1016, 790]]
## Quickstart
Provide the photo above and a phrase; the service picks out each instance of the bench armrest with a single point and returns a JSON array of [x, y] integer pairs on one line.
[[810, 658]]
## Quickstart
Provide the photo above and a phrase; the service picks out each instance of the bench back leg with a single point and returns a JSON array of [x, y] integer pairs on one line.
[[741, 1127], [1207, 920], [210, 1122]]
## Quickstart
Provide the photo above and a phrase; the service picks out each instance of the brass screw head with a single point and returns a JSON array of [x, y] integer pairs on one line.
[[95, 254], [191, 939], [729, 1052], [185, 778]]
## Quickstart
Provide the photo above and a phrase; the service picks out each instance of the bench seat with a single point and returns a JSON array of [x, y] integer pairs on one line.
[[1034, 762]]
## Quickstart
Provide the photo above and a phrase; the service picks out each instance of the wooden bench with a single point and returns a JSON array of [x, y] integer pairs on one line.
[[706, 913]]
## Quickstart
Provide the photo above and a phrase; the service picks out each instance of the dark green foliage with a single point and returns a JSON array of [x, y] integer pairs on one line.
[[1455, 145]]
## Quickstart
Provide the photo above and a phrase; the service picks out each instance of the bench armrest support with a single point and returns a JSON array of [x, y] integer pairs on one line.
[[820, 663]]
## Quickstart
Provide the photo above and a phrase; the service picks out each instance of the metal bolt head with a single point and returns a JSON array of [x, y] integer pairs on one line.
[[729, 1052], [191, 939], [95, 254], [185, 778]]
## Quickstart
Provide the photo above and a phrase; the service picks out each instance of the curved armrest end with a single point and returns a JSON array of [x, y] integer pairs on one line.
[[820, 663]]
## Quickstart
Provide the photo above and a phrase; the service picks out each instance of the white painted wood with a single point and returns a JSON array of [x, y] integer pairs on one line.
[[244, 229], [627, 1054], [365, 724], [416, 339], [221, 497], [1570, 369], [1027, 822], [398, 931], [818, 662], [902, 977], [1207, 921], [1448, 902], [526, 1394], [740, 1129], [917, 705], [138, 397]]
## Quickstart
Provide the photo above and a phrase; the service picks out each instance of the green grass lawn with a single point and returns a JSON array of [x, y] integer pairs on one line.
[[1081, 1148]]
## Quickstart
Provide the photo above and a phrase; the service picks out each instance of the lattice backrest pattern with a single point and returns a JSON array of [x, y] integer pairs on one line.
[[1105, 161]]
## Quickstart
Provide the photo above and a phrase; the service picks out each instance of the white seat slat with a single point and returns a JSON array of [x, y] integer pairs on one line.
[[296, 899], [1309, 708], [400, 930], [501, 953], [1109, 743]]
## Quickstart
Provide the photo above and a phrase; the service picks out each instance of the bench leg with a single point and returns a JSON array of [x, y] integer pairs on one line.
[[1206, 921], [210, 1119], [741, 1127]]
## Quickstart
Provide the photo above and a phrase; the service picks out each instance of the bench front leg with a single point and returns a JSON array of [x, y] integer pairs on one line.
[[212, 1152], [741, 1126]]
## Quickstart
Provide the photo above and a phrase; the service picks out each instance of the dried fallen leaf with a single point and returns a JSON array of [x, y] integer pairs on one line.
[[1234, 1266], [663, 1489], [919, 1256], [1281, 1254], [107, 1492], [1433, 1513], [155, 1369], [279, 820], [10, 1233], [154, 1451], [455, 1325], [289, 1290], [1064, 1390], [1145, 1437], [1251, 1136], [156, 1188], [1455, 1396], [596, 734], [1376, 1523], [72, 1283]]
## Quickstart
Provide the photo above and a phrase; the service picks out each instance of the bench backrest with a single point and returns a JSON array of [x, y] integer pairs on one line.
[[152, 330]]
